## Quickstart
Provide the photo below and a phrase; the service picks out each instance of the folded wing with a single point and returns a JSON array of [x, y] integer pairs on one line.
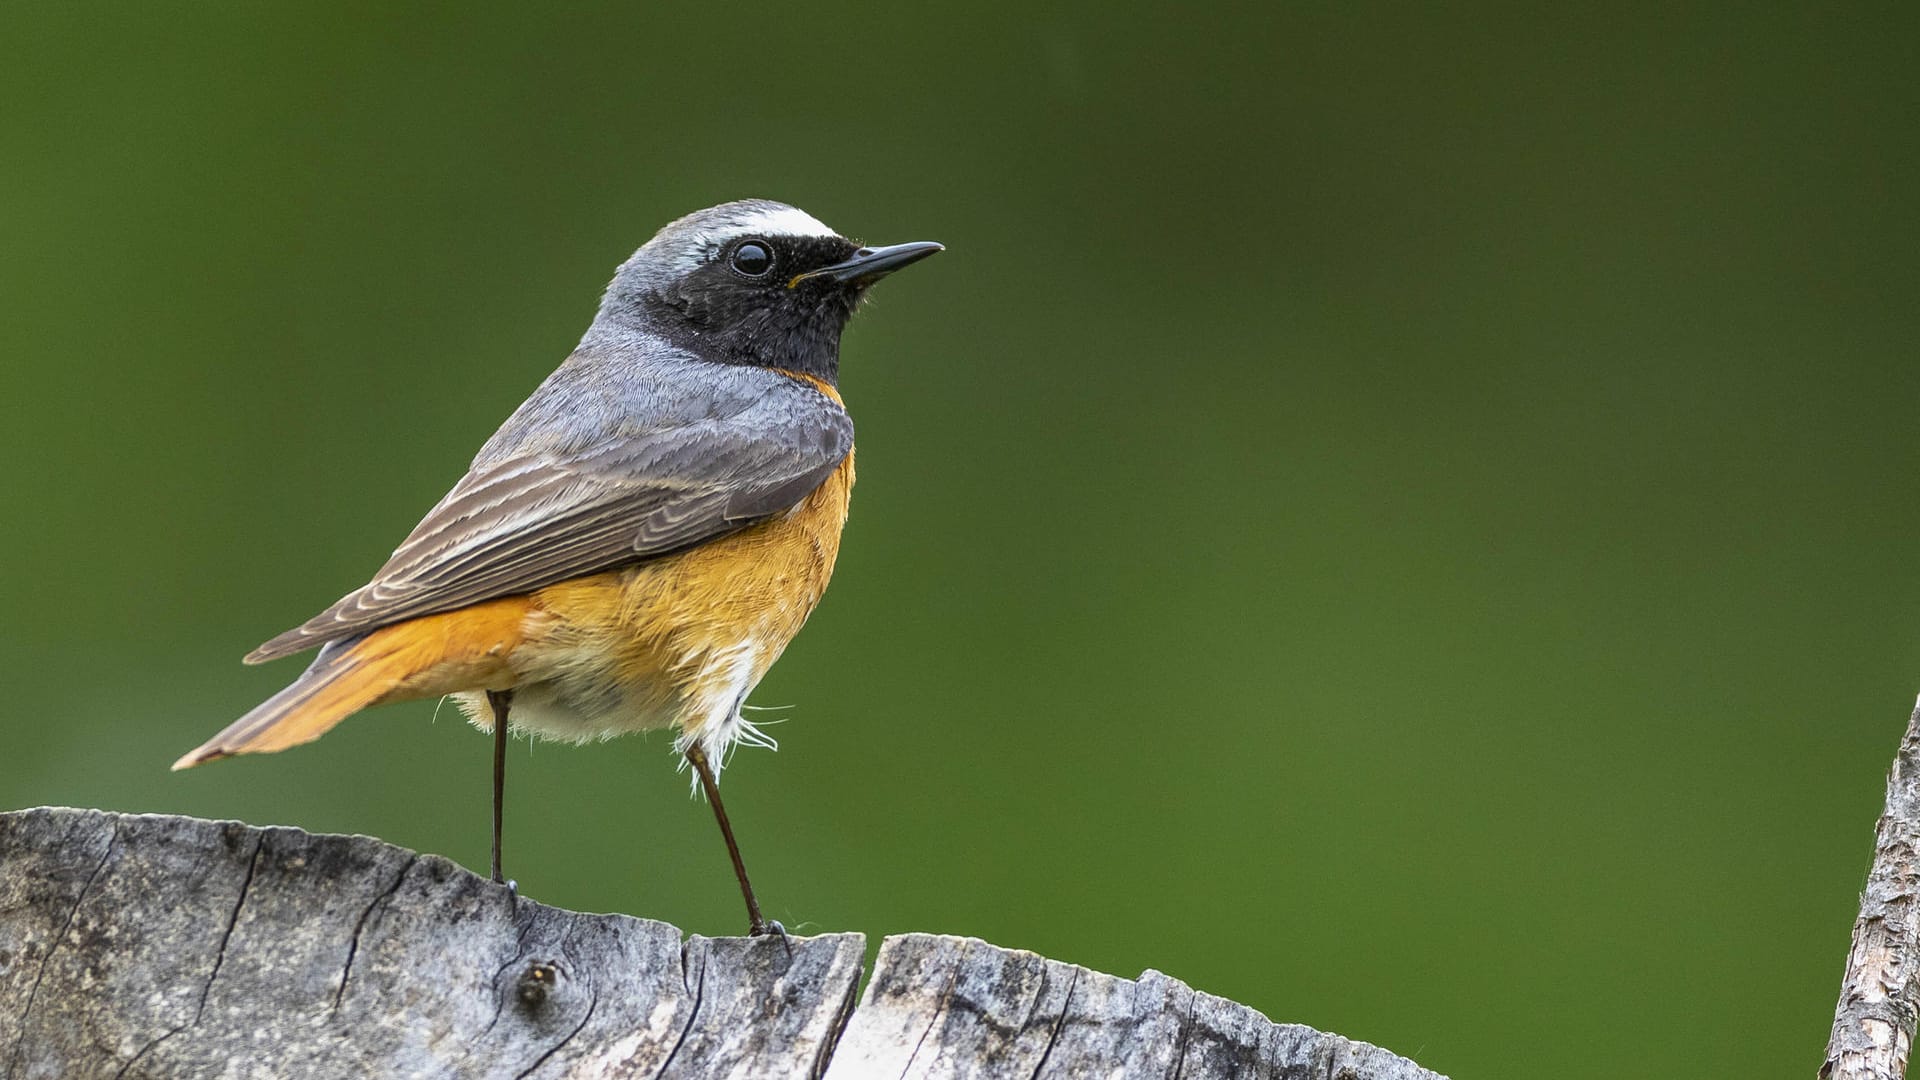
[[522, 520]]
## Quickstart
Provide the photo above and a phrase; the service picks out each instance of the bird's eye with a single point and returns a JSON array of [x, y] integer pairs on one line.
[[752, 258]]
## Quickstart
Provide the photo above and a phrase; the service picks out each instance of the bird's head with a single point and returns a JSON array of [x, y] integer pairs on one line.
[[750, 282]]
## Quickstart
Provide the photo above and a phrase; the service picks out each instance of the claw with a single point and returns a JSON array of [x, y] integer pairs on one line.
[[772, 927]]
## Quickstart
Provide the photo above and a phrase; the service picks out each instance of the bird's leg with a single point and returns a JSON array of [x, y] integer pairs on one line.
[[756, 923], [499, 701]]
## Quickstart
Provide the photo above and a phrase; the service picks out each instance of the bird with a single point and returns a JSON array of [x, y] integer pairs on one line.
[[643, 536]]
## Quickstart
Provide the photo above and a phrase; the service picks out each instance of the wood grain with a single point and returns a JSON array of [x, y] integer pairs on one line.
[[150, 946], [958, 1007]]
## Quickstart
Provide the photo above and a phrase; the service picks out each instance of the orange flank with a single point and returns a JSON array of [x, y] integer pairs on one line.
[[424, 657], [672, 641]]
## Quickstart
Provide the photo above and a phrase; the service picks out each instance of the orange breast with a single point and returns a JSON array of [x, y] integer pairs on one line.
[[677, 641], [759, 584]]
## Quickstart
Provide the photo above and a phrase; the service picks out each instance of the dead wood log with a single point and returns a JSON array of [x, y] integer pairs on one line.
[[155, 946]]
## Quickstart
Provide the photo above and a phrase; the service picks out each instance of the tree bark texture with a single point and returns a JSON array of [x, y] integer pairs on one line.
[[156, 946], [1874, 1023]]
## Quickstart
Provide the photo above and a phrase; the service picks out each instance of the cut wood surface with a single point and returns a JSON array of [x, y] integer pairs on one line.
[[157, 946]]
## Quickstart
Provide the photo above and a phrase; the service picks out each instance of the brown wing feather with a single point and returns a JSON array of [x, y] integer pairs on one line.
[[521, 522]]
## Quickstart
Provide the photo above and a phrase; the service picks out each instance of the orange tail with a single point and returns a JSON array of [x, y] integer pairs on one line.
[[425, 657]]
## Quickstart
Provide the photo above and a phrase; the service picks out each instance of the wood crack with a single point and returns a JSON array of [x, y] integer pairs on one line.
[[1053, 1037], [940, 1009], [698, 988], [226, 935], [145, 1050], [1186, 1033], [353, 946], [53, 946], [593, 1002], [839, 1028], [523, 927]]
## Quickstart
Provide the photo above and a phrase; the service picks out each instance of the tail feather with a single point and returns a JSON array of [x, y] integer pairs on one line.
[[424, 657], [341, 682]]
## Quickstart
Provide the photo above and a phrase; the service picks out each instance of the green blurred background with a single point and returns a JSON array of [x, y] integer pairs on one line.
[[1399, 516]]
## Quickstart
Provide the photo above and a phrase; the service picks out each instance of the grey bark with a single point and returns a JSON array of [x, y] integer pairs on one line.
[[1873, 1026], [152, 946]]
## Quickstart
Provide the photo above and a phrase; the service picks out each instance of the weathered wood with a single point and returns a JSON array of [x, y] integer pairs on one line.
[[1873, 1026], [140, 946], [149, 946], [958, 1007]]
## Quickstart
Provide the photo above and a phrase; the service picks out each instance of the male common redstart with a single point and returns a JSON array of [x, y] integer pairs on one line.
[[639, 541]]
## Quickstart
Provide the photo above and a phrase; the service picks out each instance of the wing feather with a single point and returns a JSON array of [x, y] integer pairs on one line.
[[526, 518]]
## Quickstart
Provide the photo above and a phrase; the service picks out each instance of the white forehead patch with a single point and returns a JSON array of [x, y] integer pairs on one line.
[[695, 238], [779, 221]]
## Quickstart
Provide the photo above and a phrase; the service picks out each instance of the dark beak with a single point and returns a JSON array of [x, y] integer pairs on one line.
[[870, 264]]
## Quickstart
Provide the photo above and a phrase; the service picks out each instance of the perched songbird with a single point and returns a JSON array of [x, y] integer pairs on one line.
[[639, 541]]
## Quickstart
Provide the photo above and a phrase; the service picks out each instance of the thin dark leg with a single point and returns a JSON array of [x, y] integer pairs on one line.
[[756, 923], [499, 700]]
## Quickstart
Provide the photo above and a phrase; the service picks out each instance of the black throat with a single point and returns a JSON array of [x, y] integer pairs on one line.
[[722, 317]]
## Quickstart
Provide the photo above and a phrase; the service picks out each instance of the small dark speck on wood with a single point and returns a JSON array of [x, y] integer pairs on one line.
[[149, 946]]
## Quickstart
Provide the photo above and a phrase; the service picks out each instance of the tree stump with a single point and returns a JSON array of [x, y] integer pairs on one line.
[[158, 946]]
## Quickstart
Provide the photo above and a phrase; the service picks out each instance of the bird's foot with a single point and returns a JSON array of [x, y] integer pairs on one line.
[[513, 889], [772, 927]]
